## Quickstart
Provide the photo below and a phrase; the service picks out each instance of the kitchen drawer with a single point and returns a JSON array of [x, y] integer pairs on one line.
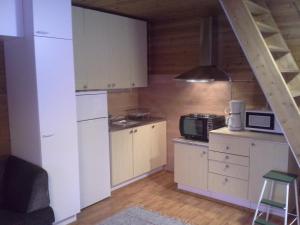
[[228, 169], [227, 144], [229, 158], [228, 186]]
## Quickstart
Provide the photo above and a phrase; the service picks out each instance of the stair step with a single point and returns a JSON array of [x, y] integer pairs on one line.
[[263, 222], [295, 93], [256, 9], [268, 202], [280, 176], [278, 50], [289, 71], [266, 29]]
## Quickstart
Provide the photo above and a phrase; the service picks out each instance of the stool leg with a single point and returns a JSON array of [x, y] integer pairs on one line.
[[286, 204], [297, 202], [270, 198], [260, 198]]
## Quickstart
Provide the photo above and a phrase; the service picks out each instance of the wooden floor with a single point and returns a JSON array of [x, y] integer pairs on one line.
[[159, 193]]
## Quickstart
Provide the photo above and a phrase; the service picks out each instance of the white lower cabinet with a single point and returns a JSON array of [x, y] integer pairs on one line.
[[228, 185], [234, 167], [121, 156], [191, 165], [134, 150]]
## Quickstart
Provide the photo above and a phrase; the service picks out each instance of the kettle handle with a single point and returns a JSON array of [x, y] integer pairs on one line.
[[227, 120]]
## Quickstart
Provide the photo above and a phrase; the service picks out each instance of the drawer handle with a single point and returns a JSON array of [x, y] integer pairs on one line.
[[227, 166], [252, 144], [203, 153], [227, 147], [131, 132], [227, 157], [135, 131], [226, 180], [153, 126]]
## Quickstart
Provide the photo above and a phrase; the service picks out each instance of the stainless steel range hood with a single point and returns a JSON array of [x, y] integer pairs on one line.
[[207, 71]]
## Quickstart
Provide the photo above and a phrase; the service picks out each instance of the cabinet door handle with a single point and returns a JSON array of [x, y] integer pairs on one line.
[[47, 135], [85, 86], [153, 126], [227, 147], [109, 85], [227, 166], [227, 157], [133, 84], [252, 144], [204, 152], [226, 180], [41, 32], [113, 85], [130, 132], [135, 131]]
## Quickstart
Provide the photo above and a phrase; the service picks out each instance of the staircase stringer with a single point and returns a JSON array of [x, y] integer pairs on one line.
[[266, 71]]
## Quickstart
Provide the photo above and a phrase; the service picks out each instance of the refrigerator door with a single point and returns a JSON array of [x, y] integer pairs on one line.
[[94, 161], [91, 105]]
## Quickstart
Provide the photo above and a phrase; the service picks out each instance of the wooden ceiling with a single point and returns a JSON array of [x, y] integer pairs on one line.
[[155, 10]]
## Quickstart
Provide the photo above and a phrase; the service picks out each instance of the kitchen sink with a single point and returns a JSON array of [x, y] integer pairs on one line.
[[125, 123]]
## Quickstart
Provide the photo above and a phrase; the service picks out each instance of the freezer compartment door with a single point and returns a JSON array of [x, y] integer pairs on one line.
[[91, 106]]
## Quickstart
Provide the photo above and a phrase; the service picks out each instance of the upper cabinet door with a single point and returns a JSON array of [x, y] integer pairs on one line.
[[97, 49], [80, 52], [11, 18], [52, 18], [138, 54]]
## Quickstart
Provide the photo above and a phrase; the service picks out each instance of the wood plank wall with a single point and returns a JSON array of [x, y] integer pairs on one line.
[[4, 127], [173, 49], [120, 101]]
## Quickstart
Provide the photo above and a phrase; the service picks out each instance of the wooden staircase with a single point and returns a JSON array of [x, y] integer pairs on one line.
[[271, 61]]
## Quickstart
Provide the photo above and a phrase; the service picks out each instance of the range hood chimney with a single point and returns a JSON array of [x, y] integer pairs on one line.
[[207, 71]]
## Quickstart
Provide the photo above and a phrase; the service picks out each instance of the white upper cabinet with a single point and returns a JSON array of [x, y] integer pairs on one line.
[[138, 52], [52, 18], [11, 21], [110, 50]]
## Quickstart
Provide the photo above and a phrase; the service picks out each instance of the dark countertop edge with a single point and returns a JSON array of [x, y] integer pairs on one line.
[[113, 128]]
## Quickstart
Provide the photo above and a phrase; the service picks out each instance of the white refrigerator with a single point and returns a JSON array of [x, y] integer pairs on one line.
[[93, 142]]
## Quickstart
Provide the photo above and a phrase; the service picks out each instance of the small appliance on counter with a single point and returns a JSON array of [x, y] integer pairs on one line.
[[235, 121], [197, 126], [263, 121]]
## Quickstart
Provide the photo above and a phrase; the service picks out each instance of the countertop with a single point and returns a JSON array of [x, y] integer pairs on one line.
[[143, 122], [190, 142], [250, 134]]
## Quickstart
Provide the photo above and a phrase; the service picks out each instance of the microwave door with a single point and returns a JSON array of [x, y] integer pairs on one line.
[[264, 121]]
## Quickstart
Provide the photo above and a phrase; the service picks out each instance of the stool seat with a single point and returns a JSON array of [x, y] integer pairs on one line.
[[280, 176]]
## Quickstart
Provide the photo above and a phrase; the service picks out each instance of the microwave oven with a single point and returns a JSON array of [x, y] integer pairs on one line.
[[197, 126], [264, 121]]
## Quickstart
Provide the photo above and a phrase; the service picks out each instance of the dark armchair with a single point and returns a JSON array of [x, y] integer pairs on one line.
[[24, 195]]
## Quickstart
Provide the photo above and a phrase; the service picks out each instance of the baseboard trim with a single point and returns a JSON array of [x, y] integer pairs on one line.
[[137, 178], [225, 198]]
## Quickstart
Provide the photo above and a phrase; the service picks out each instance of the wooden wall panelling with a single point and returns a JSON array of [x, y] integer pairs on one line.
[[4, 125], [155, 10], [121, 100]]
